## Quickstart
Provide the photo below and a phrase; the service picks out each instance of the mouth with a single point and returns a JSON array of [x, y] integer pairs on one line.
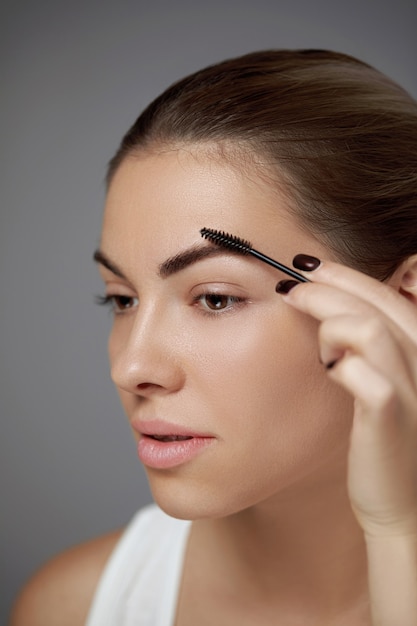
[[163, 445], [168, 438]]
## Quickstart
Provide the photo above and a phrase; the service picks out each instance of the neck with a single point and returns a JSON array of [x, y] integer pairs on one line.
[[303, 547]]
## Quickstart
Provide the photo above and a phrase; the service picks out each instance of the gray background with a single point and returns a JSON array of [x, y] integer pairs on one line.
[[74, 76]]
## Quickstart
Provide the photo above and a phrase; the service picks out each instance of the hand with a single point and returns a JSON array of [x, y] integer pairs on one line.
[[368, 340]]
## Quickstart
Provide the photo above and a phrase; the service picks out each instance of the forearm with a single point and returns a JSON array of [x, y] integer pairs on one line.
[[392, 563]]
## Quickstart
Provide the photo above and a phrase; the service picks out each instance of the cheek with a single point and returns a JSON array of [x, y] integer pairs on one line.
[[266, 361], [113, 347], [275, 408], [116, 337]]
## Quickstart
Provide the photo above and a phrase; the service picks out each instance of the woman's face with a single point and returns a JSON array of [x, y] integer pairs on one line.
[[202, 346]]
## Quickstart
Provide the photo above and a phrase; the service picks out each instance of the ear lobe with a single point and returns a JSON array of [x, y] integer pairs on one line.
[[404, 279]]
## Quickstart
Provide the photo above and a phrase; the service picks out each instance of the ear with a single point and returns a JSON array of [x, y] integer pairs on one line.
[[404, 279]]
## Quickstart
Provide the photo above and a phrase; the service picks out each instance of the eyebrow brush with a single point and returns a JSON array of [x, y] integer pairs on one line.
[[241, 246]]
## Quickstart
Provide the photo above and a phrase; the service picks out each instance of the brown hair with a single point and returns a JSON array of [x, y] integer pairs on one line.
[[340, 135]]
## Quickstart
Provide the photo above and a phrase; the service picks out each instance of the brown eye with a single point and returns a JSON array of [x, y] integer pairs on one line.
[[121, 303], [211, 303], [217, 302]]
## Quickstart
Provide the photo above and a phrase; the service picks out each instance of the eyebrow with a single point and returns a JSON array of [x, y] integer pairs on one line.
[[172, 265], [100, 257], [192, 255]]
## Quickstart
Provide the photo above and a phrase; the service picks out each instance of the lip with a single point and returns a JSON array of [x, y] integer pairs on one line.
[[167, 454], [161, 427]]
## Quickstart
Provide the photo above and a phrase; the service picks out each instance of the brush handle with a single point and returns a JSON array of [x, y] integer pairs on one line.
[[278, 266]]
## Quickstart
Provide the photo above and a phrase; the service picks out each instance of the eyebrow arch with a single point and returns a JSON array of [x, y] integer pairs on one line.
[[173, 264], [188, 257]]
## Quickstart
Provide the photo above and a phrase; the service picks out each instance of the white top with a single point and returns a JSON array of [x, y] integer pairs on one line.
[[140, 583]]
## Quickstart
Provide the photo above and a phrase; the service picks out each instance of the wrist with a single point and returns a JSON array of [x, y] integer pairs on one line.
[[392, 573]]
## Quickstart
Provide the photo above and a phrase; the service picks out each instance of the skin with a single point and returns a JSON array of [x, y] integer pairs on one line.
[[305, 504], [217, 372], [61, 591]]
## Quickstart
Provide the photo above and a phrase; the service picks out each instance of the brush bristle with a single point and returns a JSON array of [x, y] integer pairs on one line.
[[221, 238]]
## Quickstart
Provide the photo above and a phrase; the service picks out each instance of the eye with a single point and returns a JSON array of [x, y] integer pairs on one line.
[[118, 303], [217, 302]]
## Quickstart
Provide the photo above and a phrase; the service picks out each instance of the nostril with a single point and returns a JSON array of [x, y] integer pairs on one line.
[[145, 386]]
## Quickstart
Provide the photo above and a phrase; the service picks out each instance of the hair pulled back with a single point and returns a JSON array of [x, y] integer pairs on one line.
[[338, 134]]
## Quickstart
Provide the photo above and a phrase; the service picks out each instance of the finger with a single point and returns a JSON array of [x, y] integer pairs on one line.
[[378, 294], [378, 398], [371, 338], [382, 451], [323, 302]]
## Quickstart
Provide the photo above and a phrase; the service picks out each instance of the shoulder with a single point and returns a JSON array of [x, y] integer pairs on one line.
[[62, 590]]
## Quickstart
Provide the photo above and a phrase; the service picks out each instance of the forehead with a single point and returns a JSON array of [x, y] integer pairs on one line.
[[158, 202], [188, 179]]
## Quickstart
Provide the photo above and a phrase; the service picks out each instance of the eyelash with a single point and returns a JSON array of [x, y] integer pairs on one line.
[[116, 306], [112, 303]]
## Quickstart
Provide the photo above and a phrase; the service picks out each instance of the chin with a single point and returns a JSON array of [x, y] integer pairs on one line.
[[189, 501], [197, 500], [188, 506]]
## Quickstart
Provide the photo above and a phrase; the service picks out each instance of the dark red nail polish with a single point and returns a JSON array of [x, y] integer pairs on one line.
[[285, 286], [306, 262]]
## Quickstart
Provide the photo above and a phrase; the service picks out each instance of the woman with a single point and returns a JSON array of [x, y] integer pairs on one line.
[[279, 416]]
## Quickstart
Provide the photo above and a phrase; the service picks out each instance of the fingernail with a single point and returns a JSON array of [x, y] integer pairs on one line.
[[305, 262], [285, 286]]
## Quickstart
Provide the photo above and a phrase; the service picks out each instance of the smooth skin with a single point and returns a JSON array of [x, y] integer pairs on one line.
[[305, 506], [61, 591]]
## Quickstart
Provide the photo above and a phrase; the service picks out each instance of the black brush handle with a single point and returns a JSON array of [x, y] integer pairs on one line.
[[278, 266]]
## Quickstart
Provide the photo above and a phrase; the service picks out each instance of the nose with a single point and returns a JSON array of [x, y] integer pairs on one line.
[[145, 355]]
